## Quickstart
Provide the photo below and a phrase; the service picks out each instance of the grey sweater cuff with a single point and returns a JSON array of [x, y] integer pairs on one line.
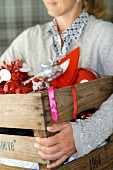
[[92, 132]]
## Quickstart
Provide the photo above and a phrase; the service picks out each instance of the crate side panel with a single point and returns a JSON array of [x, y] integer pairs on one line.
[[20, 148], [21, 111], [89, 96]]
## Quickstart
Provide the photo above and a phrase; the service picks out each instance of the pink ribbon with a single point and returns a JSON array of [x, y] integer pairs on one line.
[[53, 105]]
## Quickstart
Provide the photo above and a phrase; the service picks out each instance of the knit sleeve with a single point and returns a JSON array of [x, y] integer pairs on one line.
[[92, 132]]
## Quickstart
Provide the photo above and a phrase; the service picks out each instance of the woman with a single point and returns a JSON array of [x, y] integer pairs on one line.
[[75, 25]]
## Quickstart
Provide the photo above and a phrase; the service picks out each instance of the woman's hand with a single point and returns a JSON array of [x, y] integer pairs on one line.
[[58, 147]]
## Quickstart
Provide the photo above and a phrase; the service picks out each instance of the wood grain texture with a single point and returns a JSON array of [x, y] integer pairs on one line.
[[89, 96], [21, 111], [19, 147]]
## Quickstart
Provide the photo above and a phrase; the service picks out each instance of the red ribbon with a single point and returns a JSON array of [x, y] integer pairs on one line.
[[75, 101], [53, 105]]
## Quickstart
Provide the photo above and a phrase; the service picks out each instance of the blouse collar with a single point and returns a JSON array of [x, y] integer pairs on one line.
[[73, 32]]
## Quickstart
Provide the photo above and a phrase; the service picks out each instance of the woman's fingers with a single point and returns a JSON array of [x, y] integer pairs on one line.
[[48, 150], [50, 141], [54, 156], [57, 162], [58, 127]]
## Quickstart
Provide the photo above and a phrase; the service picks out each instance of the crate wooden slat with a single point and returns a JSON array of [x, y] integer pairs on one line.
[[89, 96], [21, 111], [20, 148]]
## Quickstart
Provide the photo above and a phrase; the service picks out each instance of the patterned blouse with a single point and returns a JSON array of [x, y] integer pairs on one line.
[[72, 33]]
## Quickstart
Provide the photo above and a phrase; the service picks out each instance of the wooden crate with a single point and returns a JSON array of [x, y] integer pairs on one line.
[[32, 111]]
